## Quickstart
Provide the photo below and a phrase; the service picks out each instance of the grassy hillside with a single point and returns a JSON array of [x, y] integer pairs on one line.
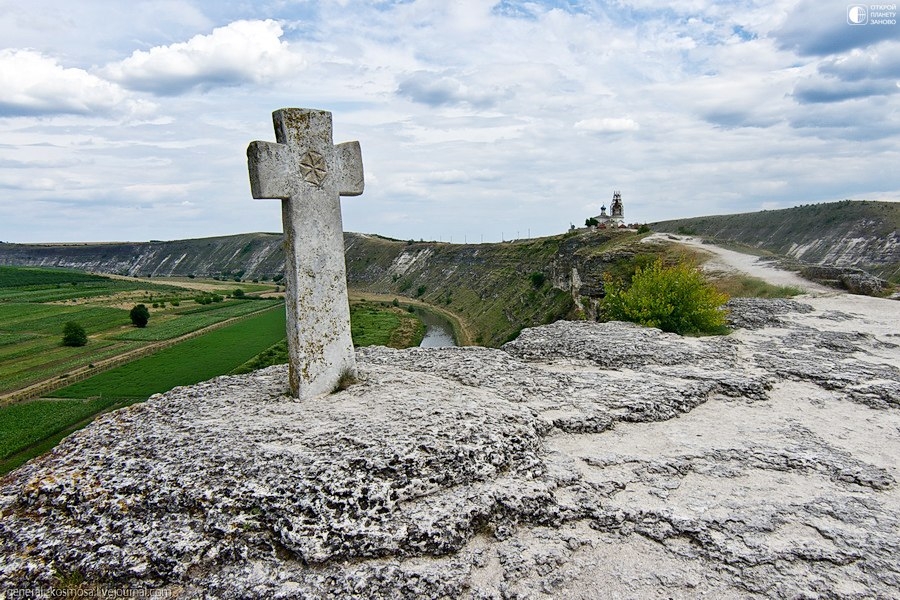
[[490, 285], [498, 288], [862, 234]]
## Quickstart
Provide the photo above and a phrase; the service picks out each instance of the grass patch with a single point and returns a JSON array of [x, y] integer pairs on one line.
[[7, 338], [745, 286], [276, 354], [373, 324], [189, 362]]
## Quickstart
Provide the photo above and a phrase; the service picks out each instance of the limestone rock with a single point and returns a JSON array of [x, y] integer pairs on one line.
[[855, 281], [581, 460]]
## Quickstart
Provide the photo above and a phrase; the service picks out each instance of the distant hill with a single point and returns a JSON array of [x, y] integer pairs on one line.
[[862, 234], [250, 254]]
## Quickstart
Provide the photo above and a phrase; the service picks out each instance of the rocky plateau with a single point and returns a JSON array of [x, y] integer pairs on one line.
[[582, 460]]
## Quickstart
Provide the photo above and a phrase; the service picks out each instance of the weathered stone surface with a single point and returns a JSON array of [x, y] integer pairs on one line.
[[582, 460], [756, 313]]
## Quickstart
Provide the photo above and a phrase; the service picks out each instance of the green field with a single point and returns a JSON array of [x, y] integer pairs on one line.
[[189, 362], [35, 305], [18, 284], [31, 349], [26, 423], [32, 363], [182, 322], [26, 426], [49, 318], [21, 277]]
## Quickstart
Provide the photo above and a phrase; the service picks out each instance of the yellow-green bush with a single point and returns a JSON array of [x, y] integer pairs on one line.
[[676, 299]]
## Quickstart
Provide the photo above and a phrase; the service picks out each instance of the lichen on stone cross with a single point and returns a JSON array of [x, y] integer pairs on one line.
[[309, 174]]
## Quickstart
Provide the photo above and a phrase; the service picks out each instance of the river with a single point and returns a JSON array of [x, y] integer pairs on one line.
[[438, 332]]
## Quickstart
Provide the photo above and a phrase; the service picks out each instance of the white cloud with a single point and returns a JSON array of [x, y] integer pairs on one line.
[[242, 52], [608, 125], [34, 84]]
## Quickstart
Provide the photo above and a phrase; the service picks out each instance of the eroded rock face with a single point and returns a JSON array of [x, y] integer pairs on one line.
[[582, 460]]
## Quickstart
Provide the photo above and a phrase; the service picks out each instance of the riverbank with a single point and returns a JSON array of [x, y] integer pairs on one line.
[[463, 331]]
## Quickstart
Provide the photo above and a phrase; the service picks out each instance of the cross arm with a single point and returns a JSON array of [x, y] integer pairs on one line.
[[271, 170], [350, 181]]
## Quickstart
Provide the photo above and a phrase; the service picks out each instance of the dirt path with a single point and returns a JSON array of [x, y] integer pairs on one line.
[[729, 261]]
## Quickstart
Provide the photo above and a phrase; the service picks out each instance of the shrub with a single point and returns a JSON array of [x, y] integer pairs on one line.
[[675, 299], [537, 279], [74, 335], [139, 315], [420, 290], [644, 228], [238, 293]]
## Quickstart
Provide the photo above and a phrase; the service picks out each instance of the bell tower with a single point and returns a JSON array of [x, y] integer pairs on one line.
[[616, 210]]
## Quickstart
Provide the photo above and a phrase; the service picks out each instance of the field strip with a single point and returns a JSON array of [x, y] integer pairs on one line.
[[190, 284], [461, 328], [76, 375], [46, 444]]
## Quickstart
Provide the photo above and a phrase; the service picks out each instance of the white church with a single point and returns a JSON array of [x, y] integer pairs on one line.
[[616, 216]]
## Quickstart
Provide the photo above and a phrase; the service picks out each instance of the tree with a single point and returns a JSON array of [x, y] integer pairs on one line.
[[140, 315], [74, 335], [238, 293], [537, 279], [591, 222], [676, 299]]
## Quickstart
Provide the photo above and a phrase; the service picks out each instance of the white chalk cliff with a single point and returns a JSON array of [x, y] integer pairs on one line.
[[582, 460]]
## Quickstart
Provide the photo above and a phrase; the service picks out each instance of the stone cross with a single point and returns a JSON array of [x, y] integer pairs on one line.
[[309, 174]]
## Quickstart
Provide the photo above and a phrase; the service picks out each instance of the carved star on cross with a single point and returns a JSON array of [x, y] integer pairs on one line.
[[313, 168]]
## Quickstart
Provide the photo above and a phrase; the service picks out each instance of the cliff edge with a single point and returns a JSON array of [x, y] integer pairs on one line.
[[580, 460]]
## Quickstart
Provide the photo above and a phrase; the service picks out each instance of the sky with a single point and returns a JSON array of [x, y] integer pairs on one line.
[[479, 120]]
